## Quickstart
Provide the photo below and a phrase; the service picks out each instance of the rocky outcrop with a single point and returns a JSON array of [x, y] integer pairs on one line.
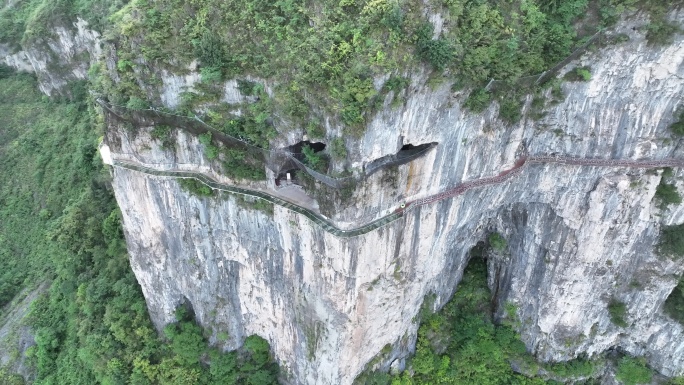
[[16, 335], [58, 59], [577, 236]]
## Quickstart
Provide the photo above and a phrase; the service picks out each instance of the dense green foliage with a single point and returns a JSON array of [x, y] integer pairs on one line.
[[478, 100], [46, 166], [196, 187], [678, 127], [242, 165], [577, 368], [674, 305], [497, 242], [59, 223], [668, 194], [28, 20], [672, 240], [633, 371], [327, 55], [461, 345], [313, 159], [618, 312], [211, 151]]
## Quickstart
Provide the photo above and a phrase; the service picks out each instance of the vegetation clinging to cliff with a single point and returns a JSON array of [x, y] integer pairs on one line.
[[674, 305], [672, 241], [633, 371], [618, 312], [461, 345], [329, 54]]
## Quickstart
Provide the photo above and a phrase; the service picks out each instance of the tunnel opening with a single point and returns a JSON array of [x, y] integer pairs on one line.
[[411, 149], [311, 154], [287, 178], [297, 148], [406, 153]]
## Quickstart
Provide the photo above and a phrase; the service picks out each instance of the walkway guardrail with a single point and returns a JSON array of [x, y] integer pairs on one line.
[[328, 226], [311, 215]]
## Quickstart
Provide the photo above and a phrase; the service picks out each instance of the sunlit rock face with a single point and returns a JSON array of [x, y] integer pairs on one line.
[[577, 236]]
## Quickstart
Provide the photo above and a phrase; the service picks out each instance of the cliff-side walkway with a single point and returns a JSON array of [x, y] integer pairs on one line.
[[403, 207]]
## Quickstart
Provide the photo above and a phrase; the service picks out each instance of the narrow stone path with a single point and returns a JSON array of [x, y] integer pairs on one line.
[[328, 226]]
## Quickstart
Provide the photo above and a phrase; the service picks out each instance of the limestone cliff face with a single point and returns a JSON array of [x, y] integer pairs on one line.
[[577, 236], [63, 56]]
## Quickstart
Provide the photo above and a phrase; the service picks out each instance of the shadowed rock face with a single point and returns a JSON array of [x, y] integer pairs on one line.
[[577, 236]]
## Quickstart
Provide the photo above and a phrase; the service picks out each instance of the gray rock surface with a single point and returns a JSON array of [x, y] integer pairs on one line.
[[16, 336]]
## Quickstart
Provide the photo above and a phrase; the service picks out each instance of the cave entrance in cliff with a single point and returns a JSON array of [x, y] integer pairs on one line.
[[409, 149], [297, 149], [476, 277], [311, 155]]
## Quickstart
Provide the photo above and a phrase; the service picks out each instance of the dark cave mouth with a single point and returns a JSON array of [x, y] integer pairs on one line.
[[409, 149], [297, 148], [282, 179]]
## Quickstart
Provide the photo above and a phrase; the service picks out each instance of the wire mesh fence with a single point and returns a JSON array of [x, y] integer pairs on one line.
[[534, 80], [272, 158]]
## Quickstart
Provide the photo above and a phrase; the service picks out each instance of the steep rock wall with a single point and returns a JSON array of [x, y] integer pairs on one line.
[[577, 236], [58, 59]]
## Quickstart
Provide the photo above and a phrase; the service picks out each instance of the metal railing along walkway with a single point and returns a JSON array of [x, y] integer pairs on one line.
[[328, 226], [311, 215]]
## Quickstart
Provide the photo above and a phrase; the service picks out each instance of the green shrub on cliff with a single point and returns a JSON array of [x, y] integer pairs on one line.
[[196, 187], [674, 304], [672, 240], [211, 151], [633, 371], [618, 312], [313, 159], [667, 194], [678, 127], [579, 74], [497, 242]]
